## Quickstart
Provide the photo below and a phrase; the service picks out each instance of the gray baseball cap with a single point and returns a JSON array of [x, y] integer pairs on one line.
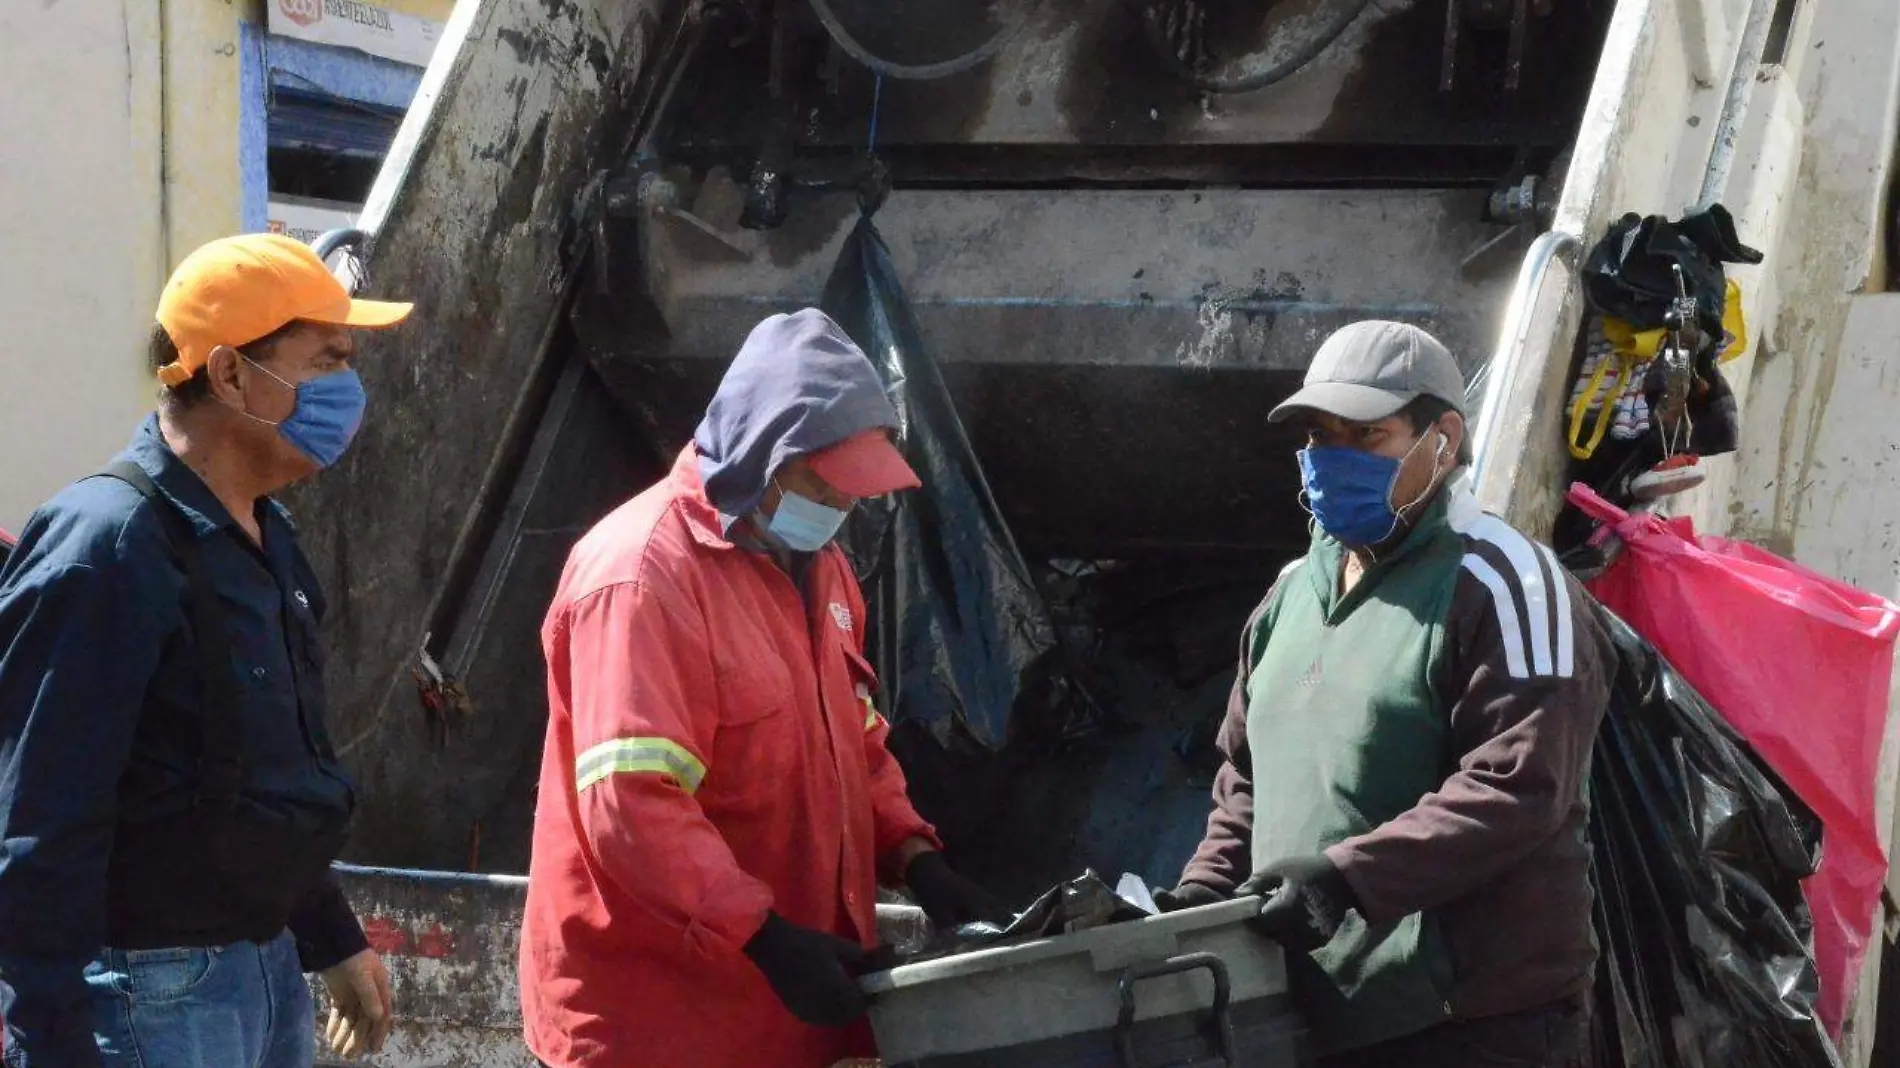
[[1369, 370]]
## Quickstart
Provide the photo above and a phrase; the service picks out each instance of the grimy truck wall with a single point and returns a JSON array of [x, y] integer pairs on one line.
[[1118, 271], [1123, 227]]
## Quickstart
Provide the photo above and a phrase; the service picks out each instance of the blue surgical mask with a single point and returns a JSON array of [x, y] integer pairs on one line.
[[803, 525], [1349, 492], [328, 412]]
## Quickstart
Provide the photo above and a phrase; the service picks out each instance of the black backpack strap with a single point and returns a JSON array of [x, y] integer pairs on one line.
[[220, 758]]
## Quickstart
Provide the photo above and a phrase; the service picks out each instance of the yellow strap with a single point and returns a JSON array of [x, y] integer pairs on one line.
[[650, 756], [1644, 344], [1604, 415], [1631, 342], [1733, 324]]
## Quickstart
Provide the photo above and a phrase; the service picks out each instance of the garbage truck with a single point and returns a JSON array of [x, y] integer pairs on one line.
[[1124, 226]]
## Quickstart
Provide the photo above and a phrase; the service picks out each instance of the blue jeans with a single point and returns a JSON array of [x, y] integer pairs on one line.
[[243, 1005]]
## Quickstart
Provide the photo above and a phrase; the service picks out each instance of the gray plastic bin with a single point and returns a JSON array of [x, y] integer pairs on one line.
[[1192, 988]]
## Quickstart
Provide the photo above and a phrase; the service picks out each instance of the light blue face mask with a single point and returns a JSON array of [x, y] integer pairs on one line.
[[803, 525], [327, 415]]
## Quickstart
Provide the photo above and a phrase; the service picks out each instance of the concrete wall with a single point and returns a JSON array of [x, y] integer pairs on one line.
[[118, 121], [82, 249], [119, 131]]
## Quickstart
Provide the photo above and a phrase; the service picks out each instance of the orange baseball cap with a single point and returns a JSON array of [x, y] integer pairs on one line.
[[238, 289], [864, 465]]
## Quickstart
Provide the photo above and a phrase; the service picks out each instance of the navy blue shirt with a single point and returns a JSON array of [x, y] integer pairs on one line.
[[101, 721]]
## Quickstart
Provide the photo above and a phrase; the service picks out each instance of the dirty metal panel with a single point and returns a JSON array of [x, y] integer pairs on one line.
[[1193, 280], [1082, 72], [426, 1044], [483, 761], [1112, 354], [450, 943], [539, 89]]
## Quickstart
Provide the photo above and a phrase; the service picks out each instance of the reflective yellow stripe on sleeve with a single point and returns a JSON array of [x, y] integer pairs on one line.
[[652, 756]]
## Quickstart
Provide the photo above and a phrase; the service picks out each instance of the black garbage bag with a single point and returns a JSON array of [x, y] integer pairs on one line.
[[1699, 855], [1079, 904], [961, 638]]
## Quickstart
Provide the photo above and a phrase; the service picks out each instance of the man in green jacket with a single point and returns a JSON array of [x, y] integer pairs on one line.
[[1408, 741]]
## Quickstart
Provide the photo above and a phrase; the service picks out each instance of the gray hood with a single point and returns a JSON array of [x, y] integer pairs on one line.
[[799, 385]]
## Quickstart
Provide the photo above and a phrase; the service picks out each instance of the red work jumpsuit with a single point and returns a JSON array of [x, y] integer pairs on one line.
[[712, 752]]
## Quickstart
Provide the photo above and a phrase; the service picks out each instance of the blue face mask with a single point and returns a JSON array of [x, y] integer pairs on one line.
[[328, 413], [1350, 492], [803, 525]]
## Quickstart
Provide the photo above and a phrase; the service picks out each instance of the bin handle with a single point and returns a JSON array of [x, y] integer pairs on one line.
[[1186, 962]]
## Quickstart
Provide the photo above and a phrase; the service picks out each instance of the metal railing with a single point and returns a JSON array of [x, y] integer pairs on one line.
[[1498, 380], [1741, 85], [327, 243]]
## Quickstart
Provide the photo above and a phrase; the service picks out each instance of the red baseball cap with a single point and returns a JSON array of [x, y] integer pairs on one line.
[[864, 465]]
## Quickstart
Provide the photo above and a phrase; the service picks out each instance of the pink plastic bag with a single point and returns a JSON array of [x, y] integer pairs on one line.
[[1799, 664]]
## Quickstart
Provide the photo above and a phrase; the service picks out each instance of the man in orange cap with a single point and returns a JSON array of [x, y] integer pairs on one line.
[[717, 805], [170, 800]]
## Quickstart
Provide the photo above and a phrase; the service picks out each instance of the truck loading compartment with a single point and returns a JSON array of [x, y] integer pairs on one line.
[[557, 367], [1118, 273]]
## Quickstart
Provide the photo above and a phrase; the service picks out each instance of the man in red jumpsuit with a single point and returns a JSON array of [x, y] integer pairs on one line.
[[717, 806]]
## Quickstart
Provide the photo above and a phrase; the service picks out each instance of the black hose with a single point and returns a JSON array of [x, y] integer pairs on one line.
[[1307, 51], [921, 71]]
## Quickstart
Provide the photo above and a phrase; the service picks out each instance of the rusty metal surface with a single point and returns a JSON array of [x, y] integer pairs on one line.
[[450, 943], [535, 92]]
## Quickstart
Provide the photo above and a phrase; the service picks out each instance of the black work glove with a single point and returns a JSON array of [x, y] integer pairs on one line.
[[1188, 896], [813, 973], [1306, 899], [949, 899]]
